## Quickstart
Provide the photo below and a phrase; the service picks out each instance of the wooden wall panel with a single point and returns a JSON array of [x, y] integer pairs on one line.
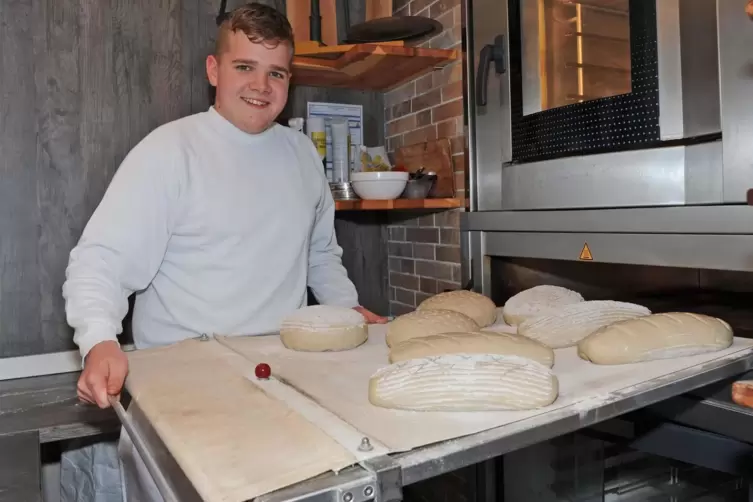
[[83, 81]]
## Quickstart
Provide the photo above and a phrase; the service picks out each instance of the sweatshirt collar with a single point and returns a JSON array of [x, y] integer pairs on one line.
[[229, 130]]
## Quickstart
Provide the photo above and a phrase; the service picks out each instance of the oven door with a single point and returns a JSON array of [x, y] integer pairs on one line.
[[607, 103]]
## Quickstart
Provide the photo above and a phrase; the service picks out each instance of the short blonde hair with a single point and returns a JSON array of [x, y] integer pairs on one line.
[[259, 22]]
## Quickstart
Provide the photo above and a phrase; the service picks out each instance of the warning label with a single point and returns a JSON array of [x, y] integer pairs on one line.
[[585, 253]]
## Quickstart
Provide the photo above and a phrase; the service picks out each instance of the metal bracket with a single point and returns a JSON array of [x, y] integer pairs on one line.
[[388, 479]]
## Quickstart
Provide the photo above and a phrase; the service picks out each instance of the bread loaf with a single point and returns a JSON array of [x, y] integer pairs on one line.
[[476, 306], [464, 382], [657, 336], [569, 324], [537, 301], [321, 328], [427, 322], [472, 343]]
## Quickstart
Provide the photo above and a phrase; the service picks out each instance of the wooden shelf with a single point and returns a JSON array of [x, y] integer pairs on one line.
[[379, 205], [374, 67]]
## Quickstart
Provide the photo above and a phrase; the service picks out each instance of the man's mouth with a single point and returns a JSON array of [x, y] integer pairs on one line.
[[255, 102]]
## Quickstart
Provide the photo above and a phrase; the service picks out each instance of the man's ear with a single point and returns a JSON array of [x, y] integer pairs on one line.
[[212, 70]]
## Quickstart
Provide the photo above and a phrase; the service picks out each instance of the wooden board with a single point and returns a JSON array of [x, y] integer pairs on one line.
[[433, 156], [377, 205], [298, 13], [235, 440], [376, 9], [376, 67]]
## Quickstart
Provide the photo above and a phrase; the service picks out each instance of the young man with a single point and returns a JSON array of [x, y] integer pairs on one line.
[[218, 221]]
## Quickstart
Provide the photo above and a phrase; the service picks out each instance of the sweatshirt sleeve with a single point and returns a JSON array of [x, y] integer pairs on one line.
[[327, 276], [123, 243]]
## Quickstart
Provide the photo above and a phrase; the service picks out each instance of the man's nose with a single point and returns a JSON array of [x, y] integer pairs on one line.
[[260, 82]]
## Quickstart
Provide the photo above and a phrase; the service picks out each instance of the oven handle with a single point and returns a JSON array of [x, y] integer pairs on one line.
[[491, 52]]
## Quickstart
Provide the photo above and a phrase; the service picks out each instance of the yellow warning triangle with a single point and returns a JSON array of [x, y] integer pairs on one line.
[[585, 253]]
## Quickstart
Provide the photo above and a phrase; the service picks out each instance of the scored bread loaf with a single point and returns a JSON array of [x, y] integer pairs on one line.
[[322, 328], [472, 343], [427, 322], [464, 382], [568, 325], [657, 336], [537, 301], [478, 307]]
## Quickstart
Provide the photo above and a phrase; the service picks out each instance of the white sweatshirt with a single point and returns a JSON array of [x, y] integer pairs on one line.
[[218, 231]]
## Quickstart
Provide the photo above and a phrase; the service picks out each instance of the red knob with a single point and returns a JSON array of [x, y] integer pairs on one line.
[[263, 371]]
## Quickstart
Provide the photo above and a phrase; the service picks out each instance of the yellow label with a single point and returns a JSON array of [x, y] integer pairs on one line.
[[320, 141], [585, 253]]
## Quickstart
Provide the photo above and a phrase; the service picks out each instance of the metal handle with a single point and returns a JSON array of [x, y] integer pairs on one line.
[[151, 464], [490, 53]]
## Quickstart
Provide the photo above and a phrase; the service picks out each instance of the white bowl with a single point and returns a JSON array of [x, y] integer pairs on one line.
[[379, 176], [379, 185]]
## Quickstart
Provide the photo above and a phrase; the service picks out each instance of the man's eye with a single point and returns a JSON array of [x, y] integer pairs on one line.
[[277, 74], [243, 67]]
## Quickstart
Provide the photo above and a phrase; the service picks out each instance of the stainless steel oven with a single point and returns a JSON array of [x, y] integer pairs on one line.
[[609, 103], [610, 151]]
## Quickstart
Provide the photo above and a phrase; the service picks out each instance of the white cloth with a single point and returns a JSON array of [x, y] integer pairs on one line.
[[216, 231]]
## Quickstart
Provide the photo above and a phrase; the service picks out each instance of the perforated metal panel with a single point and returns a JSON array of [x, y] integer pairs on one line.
[[609, 124]]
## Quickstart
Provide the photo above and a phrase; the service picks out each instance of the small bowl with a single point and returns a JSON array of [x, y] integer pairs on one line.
[[379, 185], [418, 188]]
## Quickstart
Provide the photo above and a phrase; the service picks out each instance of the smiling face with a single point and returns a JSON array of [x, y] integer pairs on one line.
[[252, 80]]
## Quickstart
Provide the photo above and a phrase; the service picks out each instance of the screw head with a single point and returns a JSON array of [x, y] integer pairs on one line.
[[348, 497], [365, 445], [368, 491]]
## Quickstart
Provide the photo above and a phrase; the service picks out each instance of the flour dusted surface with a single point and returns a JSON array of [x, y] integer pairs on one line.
[[536, 301], [567, 325], [428, 322], [658, 336], [323, 316], [472, 343], [478, 307], [320, 328], [464, 382]]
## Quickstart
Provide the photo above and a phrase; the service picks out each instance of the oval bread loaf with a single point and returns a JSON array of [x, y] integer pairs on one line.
[[657, 336], [568, 325], [472, 343], [427, 322], [458, 382], [536, 301], [478, 307], [322, 328]]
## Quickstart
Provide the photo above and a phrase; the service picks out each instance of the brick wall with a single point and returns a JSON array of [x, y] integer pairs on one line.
[[424, 252]]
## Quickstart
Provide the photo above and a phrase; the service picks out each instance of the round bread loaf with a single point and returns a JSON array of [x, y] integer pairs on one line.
[[536, 301], [427, 322], [654, 337], [476, 306], [323, 328], [472, 343]]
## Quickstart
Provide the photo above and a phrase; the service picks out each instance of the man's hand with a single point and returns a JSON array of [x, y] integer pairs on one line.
[[371, 318], [105, 370]]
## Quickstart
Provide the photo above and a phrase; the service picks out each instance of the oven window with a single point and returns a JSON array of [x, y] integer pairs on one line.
[[574, 51], [583, 77]]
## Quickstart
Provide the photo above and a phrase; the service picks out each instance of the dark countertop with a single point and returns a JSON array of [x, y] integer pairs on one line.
[[49, 405]]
